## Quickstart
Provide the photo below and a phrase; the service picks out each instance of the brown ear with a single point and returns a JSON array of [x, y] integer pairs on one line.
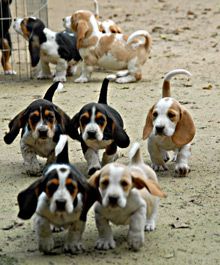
[[185, 129], [81, 30], [148, 127], [94, 179], [140, 182]]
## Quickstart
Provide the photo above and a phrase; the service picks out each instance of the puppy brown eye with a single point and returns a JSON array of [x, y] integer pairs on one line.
[[70, 187], [51, 188], [34, 119], [124, 183], [100, 121], [84, 120], [155, 114], [104, 183], [50, 118], [171, 115]]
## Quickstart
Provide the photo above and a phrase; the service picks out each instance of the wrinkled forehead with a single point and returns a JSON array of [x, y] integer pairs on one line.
[[92, 109], [59, 172], [115, 172], [164, 104]]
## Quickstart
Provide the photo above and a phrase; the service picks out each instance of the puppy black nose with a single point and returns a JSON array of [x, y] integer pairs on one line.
[[91, 134], [60, 204], [113, 200], [159, 129], [43, 133]]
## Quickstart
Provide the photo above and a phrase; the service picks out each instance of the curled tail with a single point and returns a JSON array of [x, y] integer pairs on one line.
[[103, 92], [96, 5], [141, 33], [168, 76], [135, 154], [51, 90]]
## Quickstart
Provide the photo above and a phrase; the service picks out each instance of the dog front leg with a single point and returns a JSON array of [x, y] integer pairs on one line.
[[136, 228], [92, 158], [6, 53], [105, 240], [182, 168], [60, 74], [157, 155], [73, 242], [86, 72], [45, 72], [44, 234], [31, 163], [110, 154]]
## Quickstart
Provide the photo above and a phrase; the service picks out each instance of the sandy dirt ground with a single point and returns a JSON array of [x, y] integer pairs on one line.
[[186, 34]]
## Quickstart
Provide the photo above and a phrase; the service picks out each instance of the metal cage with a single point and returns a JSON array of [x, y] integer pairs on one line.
[[20, 58]]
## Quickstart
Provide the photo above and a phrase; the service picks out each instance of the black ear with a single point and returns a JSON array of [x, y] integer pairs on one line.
[[15, 125], [62, 119], [28, 198], [34, 49], [73, 128]]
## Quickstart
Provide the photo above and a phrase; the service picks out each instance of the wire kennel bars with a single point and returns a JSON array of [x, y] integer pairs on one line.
[[20, 58]]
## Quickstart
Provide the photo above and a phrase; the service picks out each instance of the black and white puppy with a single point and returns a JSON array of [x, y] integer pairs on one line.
[[43, 127], [62, 198], [47, 46], [99, 126], [5, 38]]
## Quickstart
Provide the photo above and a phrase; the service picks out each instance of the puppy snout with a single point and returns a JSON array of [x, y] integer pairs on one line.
[[61, 205], [91, 134], [113, 200], [159, 129], [43, 132]]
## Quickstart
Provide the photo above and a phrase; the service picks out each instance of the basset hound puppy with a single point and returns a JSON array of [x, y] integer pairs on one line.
[[47, 46], [169, 126], [99, 126], [109, 51], [105, 26], [43, 127], [61, 198], [130, 196], [5, 37]]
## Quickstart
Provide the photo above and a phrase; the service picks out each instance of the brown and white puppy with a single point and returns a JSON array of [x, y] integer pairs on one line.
[[43, 127], [5, 37], [62, 198], [109, 51], [129, 197], [99, 126], [47, 46], [169, 126]]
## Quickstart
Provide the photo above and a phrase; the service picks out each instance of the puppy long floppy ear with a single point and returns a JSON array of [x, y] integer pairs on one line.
[[15, 125], [27, 199], [73, 128], [140, 182], [34, 49], [81, 30], [185, 129], [148, 127], [62, 118], [94, 179]]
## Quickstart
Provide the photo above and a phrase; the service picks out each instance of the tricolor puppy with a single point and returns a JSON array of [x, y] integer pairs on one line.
[[47, 46], [99, 126], [109, 51], [62, 198], [43, 127], [169, 126], [129, 197], [5, 37], [105, 26]]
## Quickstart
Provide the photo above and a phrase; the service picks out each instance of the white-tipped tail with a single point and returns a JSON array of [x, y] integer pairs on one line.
[[60, 145], [135, 154], [96, 5], [60, 87], [172, 73], [138, 34]]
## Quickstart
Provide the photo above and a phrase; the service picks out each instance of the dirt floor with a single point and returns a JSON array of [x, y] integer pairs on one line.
[[186, 34]]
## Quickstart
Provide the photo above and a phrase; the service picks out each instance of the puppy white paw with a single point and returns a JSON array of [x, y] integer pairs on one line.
[[135, 241], [159, 167], [42, 76], [46, 245], [105, 244], [74, 247], [33, 169], [150, 225], [59, 78], [82, 79], [182, 170], [10, 72]]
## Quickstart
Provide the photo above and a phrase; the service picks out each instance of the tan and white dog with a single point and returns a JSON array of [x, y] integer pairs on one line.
[[129, 197], [169, 126], [109, 51]]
